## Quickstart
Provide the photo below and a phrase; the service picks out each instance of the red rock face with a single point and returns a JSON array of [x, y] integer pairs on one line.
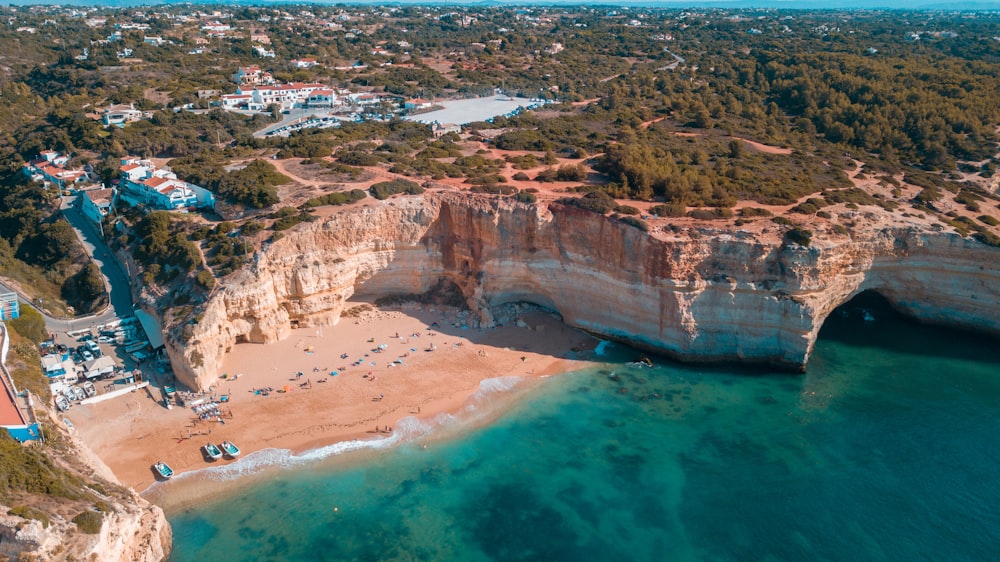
[[697, 294]]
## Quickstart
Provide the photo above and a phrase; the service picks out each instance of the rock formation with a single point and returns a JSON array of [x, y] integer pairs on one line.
[[694, 294], [131, 529]]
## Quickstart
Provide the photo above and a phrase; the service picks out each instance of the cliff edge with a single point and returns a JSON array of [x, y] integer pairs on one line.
[[694, 293]]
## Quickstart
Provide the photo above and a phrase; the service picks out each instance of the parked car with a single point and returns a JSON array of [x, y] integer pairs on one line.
[[87, 355]]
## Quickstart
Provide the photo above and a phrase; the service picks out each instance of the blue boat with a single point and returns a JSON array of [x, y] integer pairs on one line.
[[212, 451], [231, 450], [163, 470]]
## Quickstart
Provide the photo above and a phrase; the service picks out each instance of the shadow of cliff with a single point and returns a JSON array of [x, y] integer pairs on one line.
[[869, 321], [520, 326]]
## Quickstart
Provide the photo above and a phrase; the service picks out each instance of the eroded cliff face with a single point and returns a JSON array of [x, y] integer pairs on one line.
[[695, 295], [132, 529]]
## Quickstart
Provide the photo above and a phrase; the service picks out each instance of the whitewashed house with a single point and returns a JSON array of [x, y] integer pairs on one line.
[[142, 183]]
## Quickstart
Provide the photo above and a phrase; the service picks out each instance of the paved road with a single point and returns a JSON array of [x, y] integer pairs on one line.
[[116, 278]]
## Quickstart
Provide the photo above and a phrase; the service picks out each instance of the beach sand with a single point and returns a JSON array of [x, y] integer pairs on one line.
[[423, 369]]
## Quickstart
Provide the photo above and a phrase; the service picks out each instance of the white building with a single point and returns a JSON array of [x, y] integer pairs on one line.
[[322, 98], [249, 75], [262, 52], [233, 101], [50, 168], [120, 114], [284, 95], [97, 203], [143, 183]]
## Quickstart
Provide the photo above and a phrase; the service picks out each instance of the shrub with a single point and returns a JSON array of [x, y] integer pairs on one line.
[[571, 172], [988, 238], [494, 189], [487, 179], [927, 195], [205, 279], [384, 190], [597, 202], [989, 220], [852, 195], [669, 210], [710, 214], [785, 221], [521, 176], [26, 512], [89, 522], [287, 217], [636, 222], [526, 197], [809, 206], [626, 210], [356, 158], [250, 228], [337, 198], [755, 212], [547, 175], [799, 236]]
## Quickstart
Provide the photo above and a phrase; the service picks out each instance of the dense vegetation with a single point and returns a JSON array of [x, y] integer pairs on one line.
[[29, 469], [669, 108], [254, 185]]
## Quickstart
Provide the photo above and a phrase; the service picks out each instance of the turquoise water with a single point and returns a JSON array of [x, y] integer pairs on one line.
[[887, 449]]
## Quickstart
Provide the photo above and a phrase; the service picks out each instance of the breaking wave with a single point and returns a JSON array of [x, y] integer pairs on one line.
[[406, 429]]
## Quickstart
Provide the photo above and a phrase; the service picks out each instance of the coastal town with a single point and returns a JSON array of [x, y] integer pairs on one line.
[[240, 239]]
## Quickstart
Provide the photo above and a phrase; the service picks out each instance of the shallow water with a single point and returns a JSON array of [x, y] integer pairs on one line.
[[886, 449]]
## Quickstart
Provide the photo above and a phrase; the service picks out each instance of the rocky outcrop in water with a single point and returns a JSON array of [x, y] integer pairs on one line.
[[695, 294]]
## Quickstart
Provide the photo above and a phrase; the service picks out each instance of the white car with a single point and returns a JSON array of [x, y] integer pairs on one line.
[[87, 355]]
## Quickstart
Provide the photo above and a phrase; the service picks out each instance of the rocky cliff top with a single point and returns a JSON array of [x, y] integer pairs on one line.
[[695, 290]]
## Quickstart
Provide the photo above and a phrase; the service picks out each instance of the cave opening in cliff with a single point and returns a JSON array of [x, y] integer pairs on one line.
[[866, 306], [870, 320], [862, 320]]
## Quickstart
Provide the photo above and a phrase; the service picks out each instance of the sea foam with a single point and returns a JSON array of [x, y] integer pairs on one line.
[[406, 429]]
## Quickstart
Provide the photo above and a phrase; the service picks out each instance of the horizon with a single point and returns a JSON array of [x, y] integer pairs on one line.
[[798, 5]]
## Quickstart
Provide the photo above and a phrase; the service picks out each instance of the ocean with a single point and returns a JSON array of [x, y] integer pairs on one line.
[[888, 448]]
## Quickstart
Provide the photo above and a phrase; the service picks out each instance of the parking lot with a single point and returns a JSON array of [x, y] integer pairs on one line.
[[99, 359]]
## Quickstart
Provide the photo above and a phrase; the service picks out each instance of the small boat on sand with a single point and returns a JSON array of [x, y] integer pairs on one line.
[[163, 470], [232, 451], [212, 451]]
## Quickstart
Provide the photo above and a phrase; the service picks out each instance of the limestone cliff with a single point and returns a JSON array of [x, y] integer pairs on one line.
[[131, 529], [691, 293]]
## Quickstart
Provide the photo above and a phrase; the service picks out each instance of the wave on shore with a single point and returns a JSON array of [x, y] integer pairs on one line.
[[482, 406]]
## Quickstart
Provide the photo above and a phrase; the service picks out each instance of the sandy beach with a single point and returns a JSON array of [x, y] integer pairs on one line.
[[407, 360]]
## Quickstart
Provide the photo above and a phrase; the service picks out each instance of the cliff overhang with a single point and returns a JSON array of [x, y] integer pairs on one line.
[[694, 294]]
